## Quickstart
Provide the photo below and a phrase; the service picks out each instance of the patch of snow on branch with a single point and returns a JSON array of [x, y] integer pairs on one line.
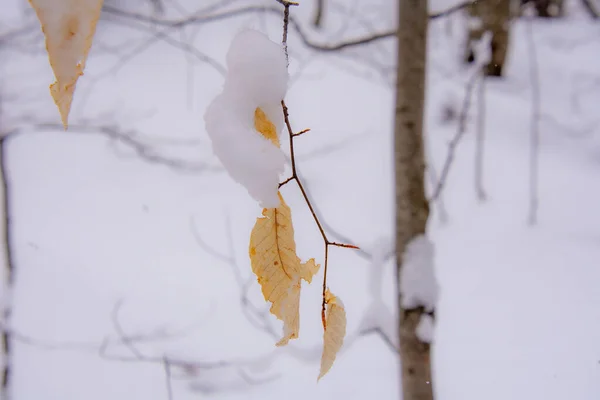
[[482, 49], [256, 77], [418, 284], [425, 328]]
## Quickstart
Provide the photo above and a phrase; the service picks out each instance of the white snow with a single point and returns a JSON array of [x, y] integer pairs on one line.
[[482, 50], [256, 77], [418, 284], [425, 328], [378, 315], [517, 315]]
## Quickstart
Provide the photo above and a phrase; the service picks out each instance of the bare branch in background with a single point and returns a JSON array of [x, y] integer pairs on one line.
[[480, 140], [451, 10], [167, 367], [535, 125], [6, 37], [334, 233], [319, 11], [260, 318], [461, 130], [190, 368], [9, 269], [433, 179], [204, 18], [592, 10], [131, 139]]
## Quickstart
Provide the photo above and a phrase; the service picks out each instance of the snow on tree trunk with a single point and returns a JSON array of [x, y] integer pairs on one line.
[[412, 208]]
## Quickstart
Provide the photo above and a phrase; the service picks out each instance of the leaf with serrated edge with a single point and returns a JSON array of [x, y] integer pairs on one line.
[[69, 27], [278, 268], [335, 330]]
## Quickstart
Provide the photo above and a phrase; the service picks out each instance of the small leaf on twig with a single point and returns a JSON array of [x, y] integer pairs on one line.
[[69, 27], [335, 330], [278, 268]]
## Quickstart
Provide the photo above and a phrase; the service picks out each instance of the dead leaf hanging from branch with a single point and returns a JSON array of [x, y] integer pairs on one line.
[[69, 27]]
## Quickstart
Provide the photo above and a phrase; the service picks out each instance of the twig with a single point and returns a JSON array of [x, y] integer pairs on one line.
[[535, 128], [200, 17], [286, 20], [453, 9], [130, 139], [295, 177], [461, 130], [301, 132], [319, 14], [591, 9], [9, 36], [433, 178], [286, 116], [167, 367], [8, 284], [479, 140], [254, 315], [124, 338], [259, 318]]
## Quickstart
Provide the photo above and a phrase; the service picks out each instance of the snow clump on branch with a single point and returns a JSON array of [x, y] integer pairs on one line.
[[245, 120]]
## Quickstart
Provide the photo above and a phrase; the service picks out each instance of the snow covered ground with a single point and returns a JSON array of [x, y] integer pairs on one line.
[[100, 234]]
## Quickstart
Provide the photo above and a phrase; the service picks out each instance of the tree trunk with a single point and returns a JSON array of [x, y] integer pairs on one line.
[[492, 16], [592, 9], [546, 8], [412, 208]]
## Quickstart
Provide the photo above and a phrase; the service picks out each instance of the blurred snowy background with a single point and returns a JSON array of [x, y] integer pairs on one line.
[[129, 242]]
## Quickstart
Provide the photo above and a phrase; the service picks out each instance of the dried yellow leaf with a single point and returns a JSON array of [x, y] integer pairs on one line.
[[335, 330], [278, 268], [263, 124], [69, 27]]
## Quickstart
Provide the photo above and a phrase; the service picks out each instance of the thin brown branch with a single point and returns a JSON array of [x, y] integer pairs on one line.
[[286, 116], [291, 178], [259, 318], [286, 18], [324, 301], [347, 246], [301, 132], [295, 178]]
